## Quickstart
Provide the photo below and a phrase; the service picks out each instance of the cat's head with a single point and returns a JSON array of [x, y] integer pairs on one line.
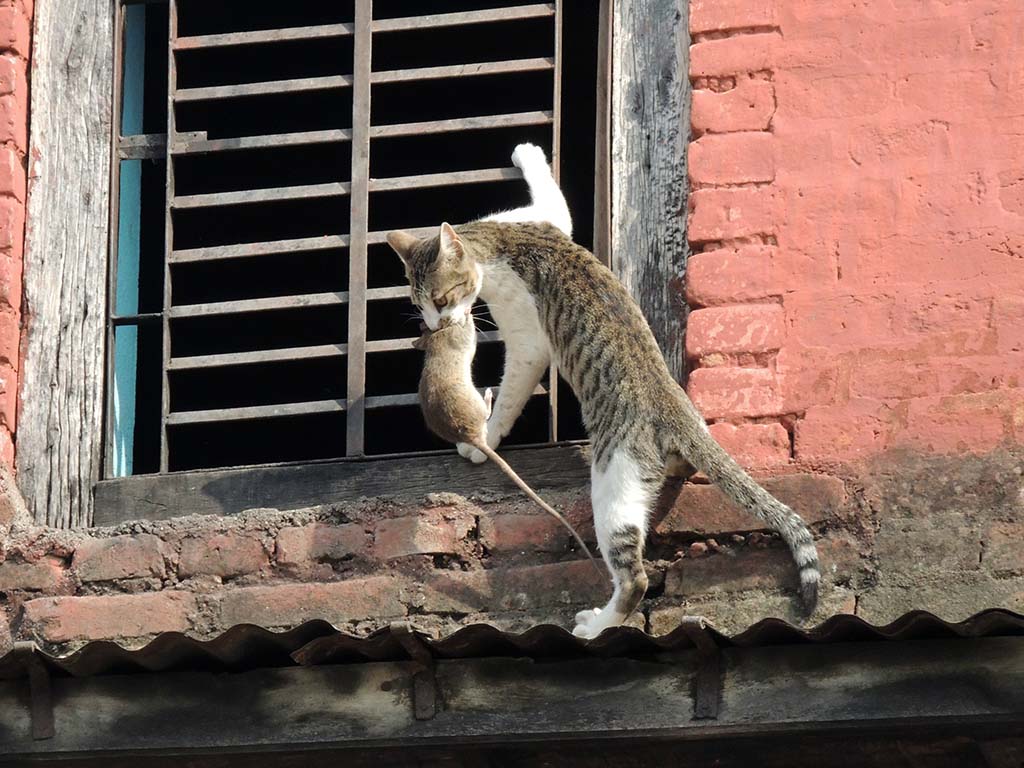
[[444, 279]]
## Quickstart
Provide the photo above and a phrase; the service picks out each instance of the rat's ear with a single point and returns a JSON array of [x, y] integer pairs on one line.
[[450, 242], [402, 243], [420, 343]]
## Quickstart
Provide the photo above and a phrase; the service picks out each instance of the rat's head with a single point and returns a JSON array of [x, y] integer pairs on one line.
[[444, 279], [456, 339]]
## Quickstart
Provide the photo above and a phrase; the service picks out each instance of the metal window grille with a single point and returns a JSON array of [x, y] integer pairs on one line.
[[296, 137]]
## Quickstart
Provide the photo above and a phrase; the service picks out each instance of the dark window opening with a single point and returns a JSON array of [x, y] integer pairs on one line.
[[251, 349]]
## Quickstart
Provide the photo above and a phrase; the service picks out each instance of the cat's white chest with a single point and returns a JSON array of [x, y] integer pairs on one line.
[[513, 307]]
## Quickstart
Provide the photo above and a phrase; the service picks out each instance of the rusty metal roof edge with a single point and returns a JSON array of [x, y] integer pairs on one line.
[[247, 646]]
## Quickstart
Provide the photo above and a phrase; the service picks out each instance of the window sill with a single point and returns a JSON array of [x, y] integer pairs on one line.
[[295, 486]]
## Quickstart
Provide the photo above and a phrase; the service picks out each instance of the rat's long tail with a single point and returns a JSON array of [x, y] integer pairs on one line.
[[491, 454]]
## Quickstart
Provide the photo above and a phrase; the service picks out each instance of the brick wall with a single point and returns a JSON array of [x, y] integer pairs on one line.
[[855, 338], [15, 37], [857, 225]]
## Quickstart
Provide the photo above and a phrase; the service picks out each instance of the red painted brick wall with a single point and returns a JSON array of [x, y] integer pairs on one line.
[[15, 37], [857, 222]]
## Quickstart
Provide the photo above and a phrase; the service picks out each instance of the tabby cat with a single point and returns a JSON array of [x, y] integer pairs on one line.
[[552, 300]]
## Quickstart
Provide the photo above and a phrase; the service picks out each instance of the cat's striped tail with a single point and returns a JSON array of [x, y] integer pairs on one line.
[[710, 458]]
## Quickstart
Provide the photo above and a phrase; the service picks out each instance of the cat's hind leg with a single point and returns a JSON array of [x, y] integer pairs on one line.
[[621, 495]]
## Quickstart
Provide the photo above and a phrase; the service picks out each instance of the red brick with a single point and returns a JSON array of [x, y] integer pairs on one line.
[[963, 423], [10, 292], [119, 557], [704, 510], [1008, 321], [8, 393], [724, 214], [527, 533], [224, 555], [733, 570], [846, 431], [12, 75], [721, 15], [1004, 547], [14, 120], [15, 31], [904, 374], [287, 605], [512, 589], [747, 107], [45, 575], [319, 542], [729, 276], [733, 55], [12, 227], [732, 158], [435, 531], [747, 328], [725, 392], [754, 445], [12, 174], [108, 617]]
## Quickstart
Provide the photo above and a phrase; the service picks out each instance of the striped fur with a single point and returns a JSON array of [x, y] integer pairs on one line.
[[640, 421]]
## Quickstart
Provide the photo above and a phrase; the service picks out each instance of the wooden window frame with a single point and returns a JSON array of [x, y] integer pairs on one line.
[[640, 193]]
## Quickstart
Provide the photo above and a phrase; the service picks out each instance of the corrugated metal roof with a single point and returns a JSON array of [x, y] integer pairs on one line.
[[317, 642]]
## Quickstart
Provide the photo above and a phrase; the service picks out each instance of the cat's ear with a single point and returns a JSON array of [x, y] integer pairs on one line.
[[402, 243], [450, 242]]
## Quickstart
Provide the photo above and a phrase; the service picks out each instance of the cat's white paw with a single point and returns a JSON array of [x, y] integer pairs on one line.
[[529, 157], [467, 451], [586, 622]]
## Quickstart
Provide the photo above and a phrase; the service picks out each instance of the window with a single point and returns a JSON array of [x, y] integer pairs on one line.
[[256, 313]]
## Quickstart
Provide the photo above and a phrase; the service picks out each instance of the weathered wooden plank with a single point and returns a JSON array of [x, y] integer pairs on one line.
[[260, 36], [260, 305], [950, 686], [259, 356], [449, 179], [410, 478], [199, 144], [513, 120], [249, 413], [355, 419], [246, 250], [650, 132], [390, 345], [271, 195], [602, 137], [463, 70], [60, 425], [537, 10], [298, 85]]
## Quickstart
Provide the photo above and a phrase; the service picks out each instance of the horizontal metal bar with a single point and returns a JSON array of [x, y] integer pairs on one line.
[[145, 317], [143, 146], [248, 196], [263, 89], [463, 70], [468, 17], [393, 345], [263, 36], [256, 412], [191, 144], [246, 250], [260, 305], [254, 358], [514, 120], [444, 179]]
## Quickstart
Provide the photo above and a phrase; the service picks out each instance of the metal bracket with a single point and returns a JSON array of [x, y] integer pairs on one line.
[[424, 680], [40, 695], [707, 693]]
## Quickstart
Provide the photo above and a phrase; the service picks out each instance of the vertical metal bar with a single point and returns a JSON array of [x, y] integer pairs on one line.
[[556, 146], [602, 137], [359, 196], [172, 84], [115, 181]]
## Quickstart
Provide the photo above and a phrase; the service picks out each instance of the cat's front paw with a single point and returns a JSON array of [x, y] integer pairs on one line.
[[586, 623], [529, 157], [467, 451]]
